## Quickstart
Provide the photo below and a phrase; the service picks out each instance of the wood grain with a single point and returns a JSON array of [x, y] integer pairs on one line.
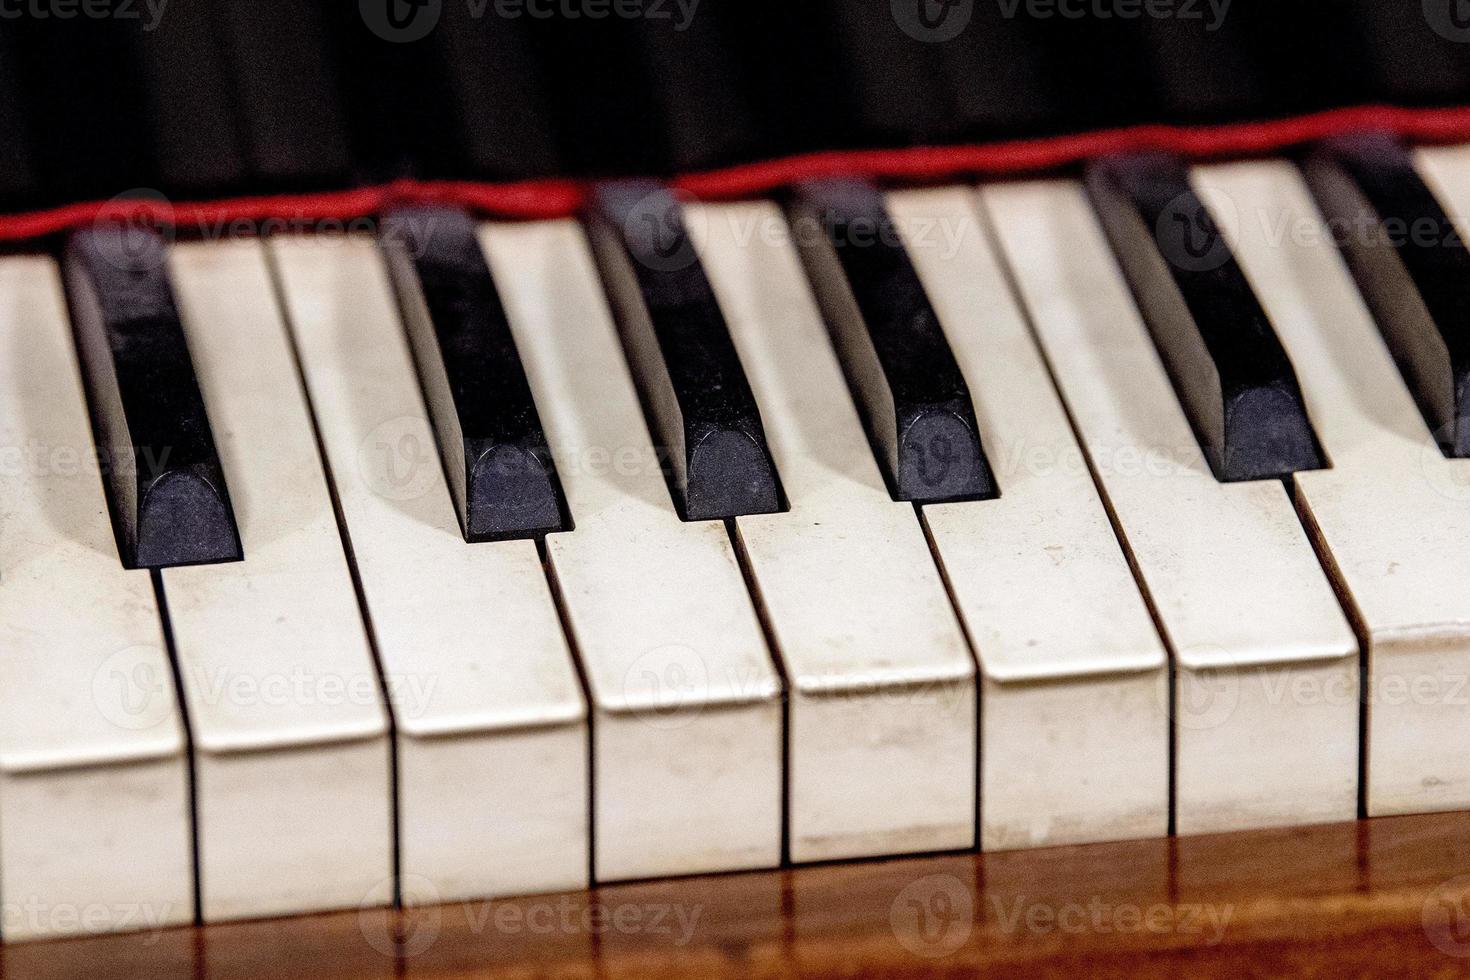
[[1374, 898]]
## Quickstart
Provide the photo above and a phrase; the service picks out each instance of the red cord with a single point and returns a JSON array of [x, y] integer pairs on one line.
[[561, 198]]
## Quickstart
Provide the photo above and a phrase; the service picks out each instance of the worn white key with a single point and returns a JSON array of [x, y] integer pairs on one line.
[[1074, 724], [95, 829], [1392, 513], [290, 732], [491, 725], [882, 711], [1265, 700], [686, 731]]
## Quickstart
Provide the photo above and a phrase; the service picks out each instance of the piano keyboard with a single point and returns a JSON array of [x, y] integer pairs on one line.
[[492, 558]]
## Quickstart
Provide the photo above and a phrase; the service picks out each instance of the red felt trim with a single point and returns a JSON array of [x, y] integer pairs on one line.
[[560, 198]]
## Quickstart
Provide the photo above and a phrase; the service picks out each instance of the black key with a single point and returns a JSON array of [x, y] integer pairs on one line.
[[694, 390], [499, 467], [164, 480], [1411, 266], [912, 396], [1232, 376]]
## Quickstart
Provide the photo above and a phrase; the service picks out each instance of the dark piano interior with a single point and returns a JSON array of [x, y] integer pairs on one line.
[[224, 97]]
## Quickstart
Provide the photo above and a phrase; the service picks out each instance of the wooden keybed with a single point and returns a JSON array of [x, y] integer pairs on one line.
[[1384, 897]]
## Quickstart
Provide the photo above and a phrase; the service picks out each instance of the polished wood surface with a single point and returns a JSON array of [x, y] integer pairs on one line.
[[1386, 897]]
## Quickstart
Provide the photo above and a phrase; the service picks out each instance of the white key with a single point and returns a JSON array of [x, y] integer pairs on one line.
[[95, 829], [1265, 700], [491, 725], [1392, 513], [1074, 736], [290, 733], [883, 699], [686, 733]]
